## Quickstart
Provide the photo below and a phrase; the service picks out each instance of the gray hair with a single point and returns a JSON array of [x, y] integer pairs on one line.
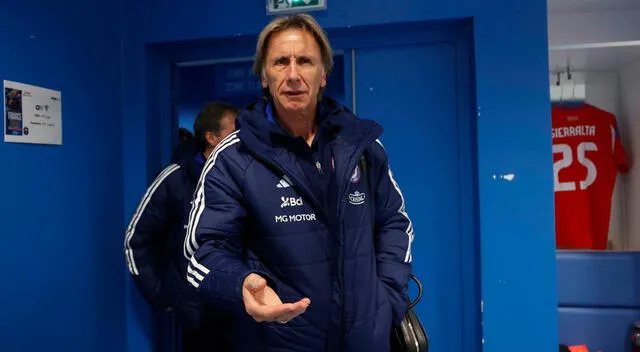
[[304, 22]]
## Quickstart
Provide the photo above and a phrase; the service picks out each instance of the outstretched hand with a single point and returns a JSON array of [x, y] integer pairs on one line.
[[263, 304]]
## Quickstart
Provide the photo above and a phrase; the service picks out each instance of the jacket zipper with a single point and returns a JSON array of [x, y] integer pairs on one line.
[[340, 222], [340, 213], [343, 190]]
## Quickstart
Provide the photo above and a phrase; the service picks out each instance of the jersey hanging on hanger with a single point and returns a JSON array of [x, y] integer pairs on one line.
[[587, 156]]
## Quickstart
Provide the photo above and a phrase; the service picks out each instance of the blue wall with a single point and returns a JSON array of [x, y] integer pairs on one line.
[[64, 283], [515, 224], [61, 206]]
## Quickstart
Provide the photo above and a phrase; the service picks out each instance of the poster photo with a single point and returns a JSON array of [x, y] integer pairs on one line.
[[32, 114]]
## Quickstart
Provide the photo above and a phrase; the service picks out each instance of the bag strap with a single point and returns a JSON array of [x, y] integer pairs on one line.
[[364, 171]]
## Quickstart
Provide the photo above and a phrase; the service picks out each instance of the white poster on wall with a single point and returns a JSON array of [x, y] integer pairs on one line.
[[275, 7], [32, 114]]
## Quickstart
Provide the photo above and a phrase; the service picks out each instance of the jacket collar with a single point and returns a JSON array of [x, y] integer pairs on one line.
[[337, 121]]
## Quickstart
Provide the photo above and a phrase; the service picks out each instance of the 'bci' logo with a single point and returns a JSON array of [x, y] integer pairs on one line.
[[290, 202]]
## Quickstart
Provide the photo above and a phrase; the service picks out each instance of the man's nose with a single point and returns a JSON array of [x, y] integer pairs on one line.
[[293, 73]]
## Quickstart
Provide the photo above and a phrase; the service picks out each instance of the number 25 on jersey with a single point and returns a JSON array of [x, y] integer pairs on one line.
[[568, 157]]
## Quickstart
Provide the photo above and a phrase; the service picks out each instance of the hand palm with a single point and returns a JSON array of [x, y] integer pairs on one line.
[[263, 304], [267, 296]]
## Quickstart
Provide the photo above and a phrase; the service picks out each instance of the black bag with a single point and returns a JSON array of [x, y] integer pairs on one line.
[[410, 335]]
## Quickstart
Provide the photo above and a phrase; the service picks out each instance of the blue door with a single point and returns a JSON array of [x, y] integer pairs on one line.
[[415, 80], [420, 95]]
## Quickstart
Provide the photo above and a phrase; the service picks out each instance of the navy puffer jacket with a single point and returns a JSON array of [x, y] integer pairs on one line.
[[255, 210]]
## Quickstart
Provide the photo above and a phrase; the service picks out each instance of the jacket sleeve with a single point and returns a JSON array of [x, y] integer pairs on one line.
[[145, 239], [214, 245], [393, 235]]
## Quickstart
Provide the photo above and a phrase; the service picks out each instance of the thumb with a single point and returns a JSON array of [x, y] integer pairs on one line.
[[256, 282]]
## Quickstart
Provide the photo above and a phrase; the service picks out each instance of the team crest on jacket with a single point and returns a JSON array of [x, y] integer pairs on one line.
[[355, 177], [356, 198]]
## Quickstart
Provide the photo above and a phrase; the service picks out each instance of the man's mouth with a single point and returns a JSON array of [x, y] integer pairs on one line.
[[295, 93]]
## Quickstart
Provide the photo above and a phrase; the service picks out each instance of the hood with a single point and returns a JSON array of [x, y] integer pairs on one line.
[[189, 156]]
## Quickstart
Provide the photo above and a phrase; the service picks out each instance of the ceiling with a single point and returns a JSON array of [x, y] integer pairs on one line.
[[581, 6], [594, 58], [593, 34]]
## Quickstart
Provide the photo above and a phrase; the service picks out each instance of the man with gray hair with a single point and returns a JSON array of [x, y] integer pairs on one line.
[[298, 227]]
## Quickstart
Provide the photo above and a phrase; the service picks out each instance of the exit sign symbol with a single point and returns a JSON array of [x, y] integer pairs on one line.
[[291, 6]]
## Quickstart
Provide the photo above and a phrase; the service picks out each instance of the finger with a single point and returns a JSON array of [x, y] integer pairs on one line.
[[294, 310], [250, 302], [270, 313], [258, 310], [266, 296], [300, 305]]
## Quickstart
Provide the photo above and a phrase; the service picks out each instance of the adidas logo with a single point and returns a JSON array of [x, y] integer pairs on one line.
[[284, 182]]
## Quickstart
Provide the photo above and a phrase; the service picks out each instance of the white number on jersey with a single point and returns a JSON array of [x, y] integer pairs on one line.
[[567, 159]]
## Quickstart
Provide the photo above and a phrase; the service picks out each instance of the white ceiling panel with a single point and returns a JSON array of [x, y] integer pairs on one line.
[[579, 6], [594, 57]]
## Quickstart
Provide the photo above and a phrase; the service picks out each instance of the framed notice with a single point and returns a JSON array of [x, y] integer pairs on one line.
[[276, 7], [32, 114]]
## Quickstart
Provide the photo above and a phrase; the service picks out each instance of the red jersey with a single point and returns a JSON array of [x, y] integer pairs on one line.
[[587, 156]]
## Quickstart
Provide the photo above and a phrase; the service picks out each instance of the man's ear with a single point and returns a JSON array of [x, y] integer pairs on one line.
[[211, 138], [323, 82]]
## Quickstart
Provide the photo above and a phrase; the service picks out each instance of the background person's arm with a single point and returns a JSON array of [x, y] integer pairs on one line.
[[146, 237]]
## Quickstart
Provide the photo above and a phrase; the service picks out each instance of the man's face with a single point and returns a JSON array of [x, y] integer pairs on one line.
[[293, 70]]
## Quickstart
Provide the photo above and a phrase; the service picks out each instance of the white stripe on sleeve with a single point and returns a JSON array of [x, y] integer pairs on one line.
[[131, 229], [409, 230], [190, 245]]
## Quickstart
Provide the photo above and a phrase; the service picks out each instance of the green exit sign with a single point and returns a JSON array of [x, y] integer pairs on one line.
[[275, 7]]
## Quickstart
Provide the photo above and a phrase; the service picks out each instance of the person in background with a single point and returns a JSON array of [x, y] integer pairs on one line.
[[304, 242], [156, 231], [184, 134]]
